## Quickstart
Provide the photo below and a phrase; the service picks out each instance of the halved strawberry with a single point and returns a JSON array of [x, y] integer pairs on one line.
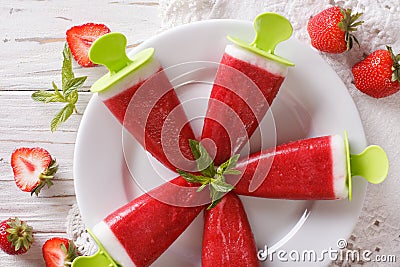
[[80, 39], [33, 168], [59, 252]]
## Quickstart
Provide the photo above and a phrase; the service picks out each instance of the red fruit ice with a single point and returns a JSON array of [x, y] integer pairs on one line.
[[331, 29], [33, 168], [58, 252], [80, 39], [244, 87], [139, 232], [227, 238], [15, 236], [313, 168], [378, 75], [146, 104]]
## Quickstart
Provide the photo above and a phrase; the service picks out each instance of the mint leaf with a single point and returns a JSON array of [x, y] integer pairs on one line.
[[191, 178], [46, 97], [73, 85], [233, 172], [216, 197], [204, 162], [66, 72], [69, 93], [228, 165], [61, 116], [221, 186]]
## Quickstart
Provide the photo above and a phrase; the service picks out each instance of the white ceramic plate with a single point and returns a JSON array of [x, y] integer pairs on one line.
[[313, 101]]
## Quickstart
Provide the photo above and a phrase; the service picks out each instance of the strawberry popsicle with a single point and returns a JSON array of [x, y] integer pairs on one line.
[[247, 81], [140, 97], [227, 238], [139, 232], [313, 168]]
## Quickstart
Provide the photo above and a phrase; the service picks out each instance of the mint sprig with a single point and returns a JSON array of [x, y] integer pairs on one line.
[[211, 176], [68, 94]]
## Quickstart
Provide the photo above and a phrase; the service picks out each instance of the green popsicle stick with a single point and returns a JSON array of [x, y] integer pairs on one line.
[[372, 164], [271, 29], [110, 50], [100, 259]]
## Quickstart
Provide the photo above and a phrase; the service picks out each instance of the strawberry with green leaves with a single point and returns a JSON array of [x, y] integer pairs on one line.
[[33, 169], [15, 236], [378, 75], [59, 252], [332, 29]]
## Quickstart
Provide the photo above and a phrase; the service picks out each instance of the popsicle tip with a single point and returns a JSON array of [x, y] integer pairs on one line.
[[271, 29], [372, 164], [100, 259], [110, 50]]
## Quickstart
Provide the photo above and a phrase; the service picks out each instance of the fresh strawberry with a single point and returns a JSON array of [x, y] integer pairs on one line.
[[33, 169], [331, 30], [378, 75], [15, 236], [58, 252], [80, 39]]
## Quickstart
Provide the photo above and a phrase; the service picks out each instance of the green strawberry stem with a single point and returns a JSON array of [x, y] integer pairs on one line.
[[349, 24], [70, 253], [20, 234], [46, 178], [211, 176], [396, 65]]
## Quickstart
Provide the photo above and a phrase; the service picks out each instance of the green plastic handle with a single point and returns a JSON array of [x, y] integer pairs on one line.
[[110, 50], [271, 29], [372, 164], [100, 259]]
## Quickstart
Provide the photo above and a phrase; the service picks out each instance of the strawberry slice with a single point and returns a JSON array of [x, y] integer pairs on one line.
[[33, 169], [59, 252], [80, 39]]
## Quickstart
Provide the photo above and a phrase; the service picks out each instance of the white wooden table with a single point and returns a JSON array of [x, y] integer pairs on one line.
[[32, 39]]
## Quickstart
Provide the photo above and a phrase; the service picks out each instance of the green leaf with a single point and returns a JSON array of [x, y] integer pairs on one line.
[[232, 172], [191, 178], [66, 72], [229, 164], [73, 85], [61, 116], [216, 197], [73, 97], [221, 186], [46, 97], [204, 162]]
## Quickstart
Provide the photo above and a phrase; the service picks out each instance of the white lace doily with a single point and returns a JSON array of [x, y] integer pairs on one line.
[[378, 227]]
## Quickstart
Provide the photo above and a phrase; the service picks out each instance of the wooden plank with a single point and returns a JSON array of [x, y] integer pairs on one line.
[[33, 33]]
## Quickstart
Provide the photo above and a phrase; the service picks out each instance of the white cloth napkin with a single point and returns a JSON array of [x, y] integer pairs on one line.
[[378, 228]]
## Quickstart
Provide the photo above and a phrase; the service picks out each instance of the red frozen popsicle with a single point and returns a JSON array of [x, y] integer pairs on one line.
[[139, 232], [313, 168], [140, 97], [244, 88], [227, 238], [247, 81]]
